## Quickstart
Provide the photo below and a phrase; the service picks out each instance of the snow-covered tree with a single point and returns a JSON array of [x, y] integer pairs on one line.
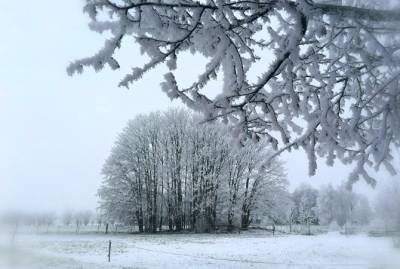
[[318, 75], [362, 211], [264, 181], [345, 203], [86, 217], [388, 205], [305, 202], [67, 217], [343, 206], [277, 206], [327, 204]]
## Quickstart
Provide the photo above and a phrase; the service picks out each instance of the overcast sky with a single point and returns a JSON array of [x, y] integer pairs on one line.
[[56, 131]]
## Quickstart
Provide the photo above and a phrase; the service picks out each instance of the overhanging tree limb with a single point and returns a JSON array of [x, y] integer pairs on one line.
[[323, 87]]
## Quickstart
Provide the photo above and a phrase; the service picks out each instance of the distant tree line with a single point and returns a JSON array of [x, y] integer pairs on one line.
[[167, 170], [79, 218], [388, 205], [272, 204], [42, 221], [307, 206]]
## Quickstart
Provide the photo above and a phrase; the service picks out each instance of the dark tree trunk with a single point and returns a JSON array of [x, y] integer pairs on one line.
[[245, 219], [139, 217], [230, 221]]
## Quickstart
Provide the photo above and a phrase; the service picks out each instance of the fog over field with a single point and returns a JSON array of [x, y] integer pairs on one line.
[[200, 134], [251, 250]]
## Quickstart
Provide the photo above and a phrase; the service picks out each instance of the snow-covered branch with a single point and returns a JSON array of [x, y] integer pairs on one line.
[[330, 87]]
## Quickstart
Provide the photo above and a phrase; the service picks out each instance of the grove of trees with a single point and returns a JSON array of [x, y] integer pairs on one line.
[[326, 206], [167, 170], [343, 207]]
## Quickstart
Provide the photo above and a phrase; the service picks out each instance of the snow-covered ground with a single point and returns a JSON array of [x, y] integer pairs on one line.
[[247, 250]]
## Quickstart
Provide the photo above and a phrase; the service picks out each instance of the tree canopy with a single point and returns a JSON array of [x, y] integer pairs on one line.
[[329, 76], [166, 170]]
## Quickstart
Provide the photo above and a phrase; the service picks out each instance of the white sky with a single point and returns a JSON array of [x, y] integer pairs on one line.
[[56, 131]]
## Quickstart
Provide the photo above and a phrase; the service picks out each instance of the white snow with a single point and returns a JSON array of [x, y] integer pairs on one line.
[[246, 250]]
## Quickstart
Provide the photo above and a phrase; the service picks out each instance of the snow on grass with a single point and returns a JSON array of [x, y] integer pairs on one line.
[[247, 250]]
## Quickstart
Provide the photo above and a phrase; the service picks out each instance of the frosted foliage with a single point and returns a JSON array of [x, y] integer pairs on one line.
[[388, 205], [165, 169], [331, 86], [343, 206]]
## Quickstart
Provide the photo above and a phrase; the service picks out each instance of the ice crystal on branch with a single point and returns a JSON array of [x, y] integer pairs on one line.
[[331, 87]]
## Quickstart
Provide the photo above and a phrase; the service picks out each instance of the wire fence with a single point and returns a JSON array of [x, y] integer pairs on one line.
[[254, 262]]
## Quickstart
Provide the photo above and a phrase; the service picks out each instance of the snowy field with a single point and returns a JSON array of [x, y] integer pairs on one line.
[[246, 250]]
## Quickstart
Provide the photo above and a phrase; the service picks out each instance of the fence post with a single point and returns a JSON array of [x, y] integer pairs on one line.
[[109, 251]]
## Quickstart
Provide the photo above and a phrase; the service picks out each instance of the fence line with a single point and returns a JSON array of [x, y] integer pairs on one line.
[[340, 265]]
